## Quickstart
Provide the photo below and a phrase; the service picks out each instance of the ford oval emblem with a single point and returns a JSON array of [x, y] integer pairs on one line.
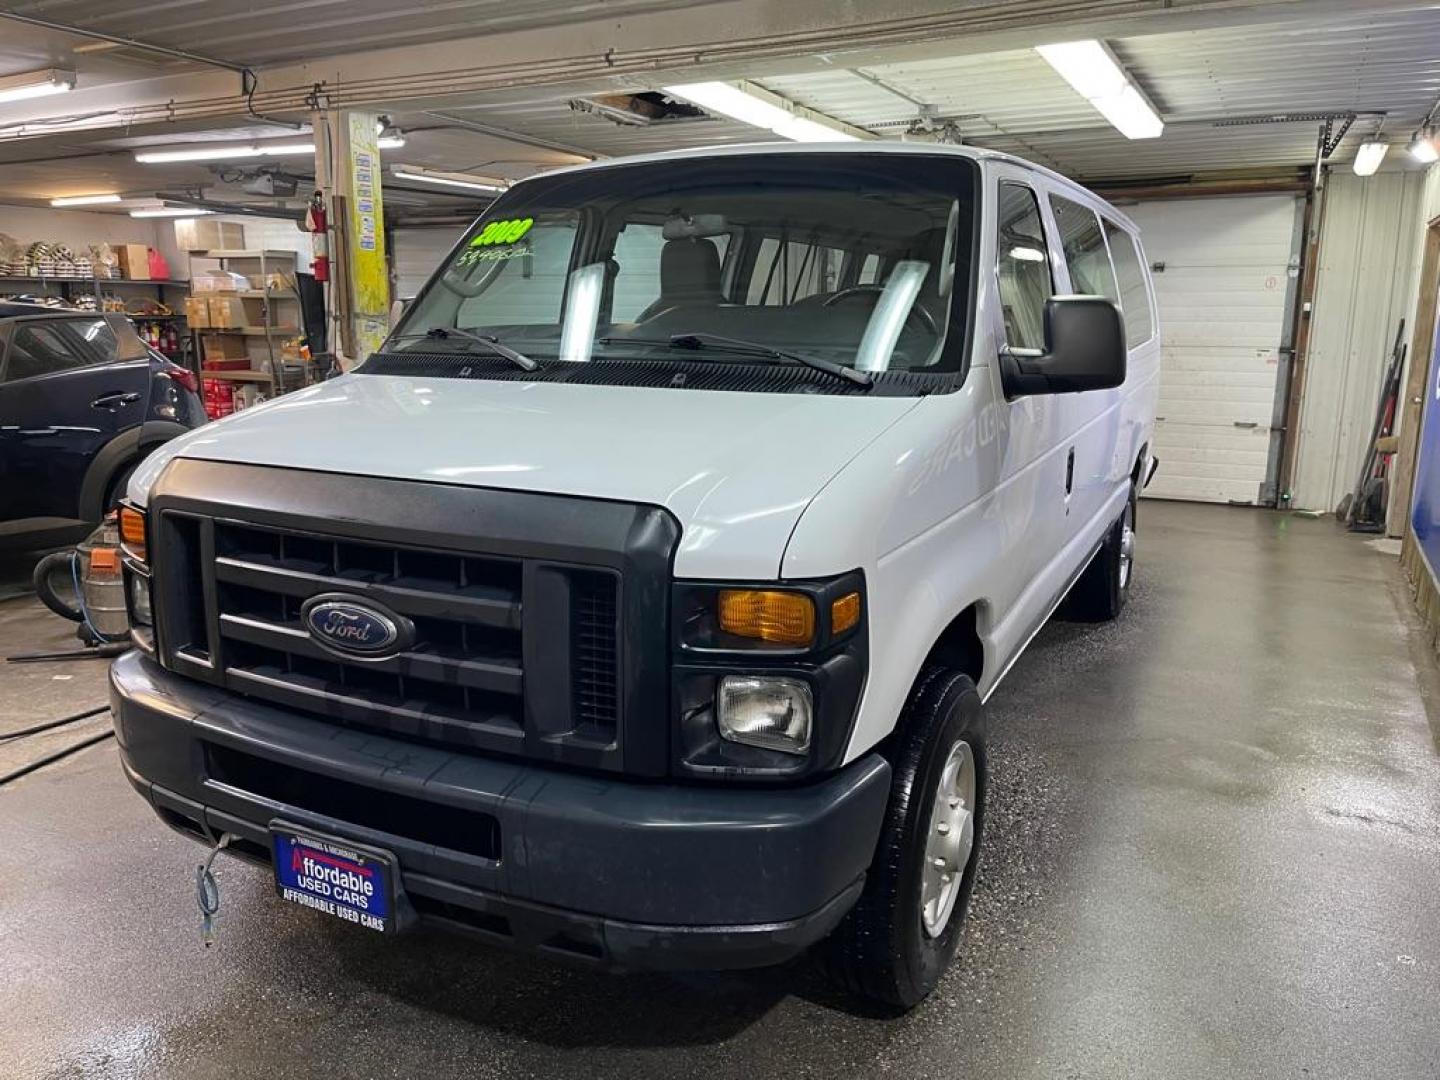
[[354, 626]]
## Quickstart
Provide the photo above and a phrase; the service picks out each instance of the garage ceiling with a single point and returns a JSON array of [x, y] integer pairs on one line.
[[1015, 101], [1205, 63], [282, 31]]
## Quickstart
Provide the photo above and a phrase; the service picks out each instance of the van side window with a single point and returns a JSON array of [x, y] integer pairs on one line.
[[1085, 254], [1134, 297], [1025, 281]]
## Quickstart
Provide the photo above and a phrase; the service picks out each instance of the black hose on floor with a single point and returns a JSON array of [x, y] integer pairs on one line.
[[90, 652], [48, 724], [50, 759]]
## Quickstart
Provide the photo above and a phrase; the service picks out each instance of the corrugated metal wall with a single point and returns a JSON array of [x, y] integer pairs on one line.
[[1364, 288]]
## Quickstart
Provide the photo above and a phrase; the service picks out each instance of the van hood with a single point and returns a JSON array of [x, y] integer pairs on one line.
[[735, 469]]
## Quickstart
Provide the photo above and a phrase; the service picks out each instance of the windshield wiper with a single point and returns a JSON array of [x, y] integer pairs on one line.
[[701, 339], [490, 341]]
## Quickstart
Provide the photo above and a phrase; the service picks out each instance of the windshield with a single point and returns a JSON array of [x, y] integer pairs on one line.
[[859, 259]]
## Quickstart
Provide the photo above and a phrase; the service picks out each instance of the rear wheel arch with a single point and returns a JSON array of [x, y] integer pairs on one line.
[[115, 456]]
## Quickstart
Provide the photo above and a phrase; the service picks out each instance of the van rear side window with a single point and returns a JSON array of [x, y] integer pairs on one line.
[[1134, 297], [1085, 255]]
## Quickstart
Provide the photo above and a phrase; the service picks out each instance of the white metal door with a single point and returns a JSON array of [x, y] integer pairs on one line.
[[1223, 273], [417, 252]]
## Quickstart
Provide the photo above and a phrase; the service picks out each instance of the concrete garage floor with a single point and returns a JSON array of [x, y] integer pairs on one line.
[[1214, 850]]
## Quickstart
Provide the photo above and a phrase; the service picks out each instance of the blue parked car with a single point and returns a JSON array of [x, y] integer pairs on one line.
[[82, 400]]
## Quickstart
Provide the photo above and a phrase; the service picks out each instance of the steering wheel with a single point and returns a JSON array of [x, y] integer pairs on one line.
[[918, 311]]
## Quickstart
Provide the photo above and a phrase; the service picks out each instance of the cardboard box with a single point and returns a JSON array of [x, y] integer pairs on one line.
[[224, 347], [197, 312], [203, 234], [134, 261], [218, 281], [227, 309]]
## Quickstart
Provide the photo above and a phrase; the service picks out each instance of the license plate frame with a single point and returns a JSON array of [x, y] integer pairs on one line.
[[355, 883]]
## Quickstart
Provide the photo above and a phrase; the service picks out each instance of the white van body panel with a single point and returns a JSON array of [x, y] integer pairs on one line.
[[735, 469], [963, 503]]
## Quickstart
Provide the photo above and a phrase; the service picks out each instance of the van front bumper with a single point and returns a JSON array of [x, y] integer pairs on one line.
[[615, 873]]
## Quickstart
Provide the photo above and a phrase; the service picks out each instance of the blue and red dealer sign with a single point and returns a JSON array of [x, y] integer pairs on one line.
[[333, 877]]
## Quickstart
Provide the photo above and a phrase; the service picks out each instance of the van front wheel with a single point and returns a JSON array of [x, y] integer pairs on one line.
[[894, 945]]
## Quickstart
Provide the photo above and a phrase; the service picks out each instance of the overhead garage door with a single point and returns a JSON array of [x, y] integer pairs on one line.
[[417, 252], [1222, 282]]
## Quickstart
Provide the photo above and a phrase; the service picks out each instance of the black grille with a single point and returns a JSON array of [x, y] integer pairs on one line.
[[460, 683], [415, 819], [593, 636], [517, 600]]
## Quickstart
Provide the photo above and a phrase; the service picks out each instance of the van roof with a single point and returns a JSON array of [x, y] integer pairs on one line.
[[878, 146]]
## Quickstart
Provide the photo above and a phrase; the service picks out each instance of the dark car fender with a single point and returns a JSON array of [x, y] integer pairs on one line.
[[129, 446]]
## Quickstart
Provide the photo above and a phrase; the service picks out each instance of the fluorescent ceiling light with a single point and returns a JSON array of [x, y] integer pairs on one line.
[[1369, 156], [226, 153], [1423, 149], [33, 84], [1094, 73], [234, 152], [169, 211], [85, 200], [738, 104], [405, 172]]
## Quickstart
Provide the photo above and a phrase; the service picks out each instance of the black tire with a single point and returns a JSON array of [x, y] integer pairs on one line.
[[881, 952], [1099, 594]]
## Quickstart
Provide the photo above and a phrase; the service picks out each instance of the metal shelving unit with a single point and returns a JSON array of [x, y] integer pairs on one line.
[[253, 264]]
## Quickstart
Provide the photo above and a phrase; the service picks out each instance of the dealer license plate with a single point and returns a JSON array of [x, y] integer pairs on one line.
[[334, 876]]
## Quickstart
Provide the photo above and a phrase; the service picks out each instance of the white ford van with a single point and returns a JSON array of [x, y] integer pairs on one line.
[[637, 601]]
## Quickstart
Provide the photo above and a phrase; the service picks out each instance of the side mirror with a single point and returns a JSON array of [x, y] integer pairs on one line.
[[1084, 350]]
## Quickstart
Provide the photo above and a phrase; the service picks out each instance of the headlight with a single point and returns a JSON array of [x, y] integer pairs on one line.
[[140, 613], [771, 712]]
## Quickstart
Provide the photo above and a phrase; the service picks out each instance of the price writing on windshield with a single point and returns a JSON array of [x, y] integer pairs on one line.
[[503, 232]]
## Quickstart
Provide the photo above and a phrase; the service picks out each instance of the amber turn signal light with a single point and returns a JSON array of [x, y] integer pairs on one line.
[[844, 613], [782, 618], [132, 531]]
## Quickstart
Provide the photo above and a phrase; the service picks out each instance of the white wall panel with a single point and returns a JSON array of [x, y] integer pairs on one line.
[[1363, 289], [77, 229], [1222, 299]]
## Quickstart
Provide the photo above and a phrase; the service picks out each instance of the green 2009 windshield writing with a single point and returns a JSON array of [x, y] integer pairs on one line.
[[503, 232]]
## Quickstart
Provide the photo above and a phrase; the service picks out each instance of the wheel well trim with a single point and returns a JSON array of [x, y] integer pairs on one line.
[[127, 448]]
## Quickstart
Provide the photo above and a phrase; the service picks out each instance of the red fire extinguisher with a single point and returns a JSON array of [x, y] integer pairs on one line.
[[316, 226]]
